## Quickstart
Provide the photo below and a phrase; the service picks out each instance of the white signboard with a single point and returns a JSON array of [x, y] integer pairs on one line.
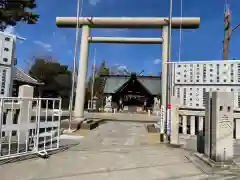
[[207, 72], [7, 43], [5, 81], [7, 56], [192, 80]]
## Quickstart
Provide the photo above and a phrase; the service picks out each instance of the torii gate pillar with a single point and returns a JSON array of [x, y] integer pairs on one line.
[[164, 66], [82, 75]]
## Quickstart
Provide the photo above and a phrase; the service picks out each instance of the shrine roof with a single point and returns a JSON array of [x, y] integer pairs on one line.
[[151, 83], [21, 76]]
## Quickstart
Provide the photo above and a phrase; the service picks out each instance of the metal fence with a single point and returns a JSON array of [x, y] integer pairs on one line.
[[29, 126]]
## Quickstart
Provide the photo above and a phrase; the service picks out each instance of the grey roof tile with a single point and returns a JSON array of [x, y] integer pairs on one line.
[[153, 85], [20, 75], [114, 83]]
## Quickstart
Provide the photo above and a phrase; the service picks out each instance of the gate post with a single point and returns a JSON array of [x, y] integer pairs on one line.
[[222, 126], [82, 75], [24, 118], [174, 135], [219, 126], [208, 119], [164, 66]]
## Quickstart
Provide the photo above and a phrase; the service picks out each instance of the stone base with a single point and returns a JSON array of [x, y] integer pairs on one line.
[[151, 128], [108, 109], [213, 163], [80, 119], [157, 112], [93, 110], [75, 125], [161, 137], [89, 124], [80, 123], [175, 145]]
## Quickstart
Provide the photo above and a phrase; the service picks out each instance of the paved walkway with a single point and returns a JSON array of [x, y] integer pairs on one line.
[[119, 116], [114, 151]]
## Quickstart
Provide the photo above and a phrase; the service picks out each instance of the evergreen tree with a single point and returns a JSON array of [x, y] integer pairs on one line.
[[99, 81], [55, 76], [13, 11]]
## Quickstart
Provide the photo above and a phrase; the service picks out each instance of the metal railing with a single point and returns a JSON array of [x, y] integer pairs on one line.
[[28, 126]]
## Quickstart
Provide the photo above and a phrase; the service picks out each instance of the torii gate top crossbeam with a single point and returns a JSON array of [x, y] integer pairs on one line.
[[129, 22]]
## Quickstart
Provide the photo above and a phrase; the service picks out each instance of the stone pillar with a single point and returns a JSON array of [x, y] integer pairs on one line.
[[222, 126], [184, 124], [192, 125], [82, 75], [208, 117], [200, 124], [164, 66], [174, 136], [237, 130], [24, 117]]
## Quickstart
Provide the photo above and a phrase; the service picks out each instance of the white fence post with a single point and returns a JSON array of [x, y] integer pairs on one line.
[[25, 113], [184, 124], [9, 119], [192, 125], [200, 123], [237, 130]]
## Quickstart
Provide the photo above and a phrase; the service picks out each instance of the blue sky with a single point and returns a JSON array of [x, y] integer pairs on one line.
[[204, 43]]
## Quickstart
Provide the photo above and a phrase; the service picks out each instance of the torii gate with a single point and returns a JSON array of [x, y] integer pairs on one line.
[[86, 23]]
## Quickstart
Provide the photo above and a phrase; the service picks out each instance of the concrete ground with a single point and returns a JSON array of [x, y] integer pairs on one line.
[[113, 151]]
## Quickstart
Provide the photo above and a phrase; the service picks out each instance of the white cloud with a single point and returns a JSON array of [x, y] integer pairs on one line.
[[10, 30], [119, 69], [94, 2], [157, 61], [46, 46]]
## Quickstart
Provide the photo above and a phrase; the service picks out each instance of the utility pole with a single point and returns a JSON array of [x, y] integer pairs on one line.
[[227, 31]]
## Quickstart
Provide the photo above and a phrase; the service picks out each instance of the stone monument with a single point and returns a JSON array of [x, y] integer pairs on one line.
[[174, 131], [219, 124], [108, 105], [157, 106]]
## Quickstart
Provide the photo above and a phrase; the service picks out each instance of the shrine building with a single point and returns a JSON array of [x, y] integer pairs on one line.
[[133, 89]]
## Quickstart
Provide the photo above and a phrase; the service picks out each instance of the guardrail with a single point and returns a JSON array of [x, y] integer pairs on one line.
[[25, 128]]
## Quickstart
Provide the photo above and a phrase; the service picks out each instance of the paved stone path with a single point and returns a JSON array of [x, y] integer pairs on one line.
[[114, 151]]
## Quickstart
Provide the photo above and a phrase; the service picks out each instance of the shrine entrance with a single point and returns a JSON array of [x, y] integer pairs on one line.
[[133, 94], [86, 23]]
